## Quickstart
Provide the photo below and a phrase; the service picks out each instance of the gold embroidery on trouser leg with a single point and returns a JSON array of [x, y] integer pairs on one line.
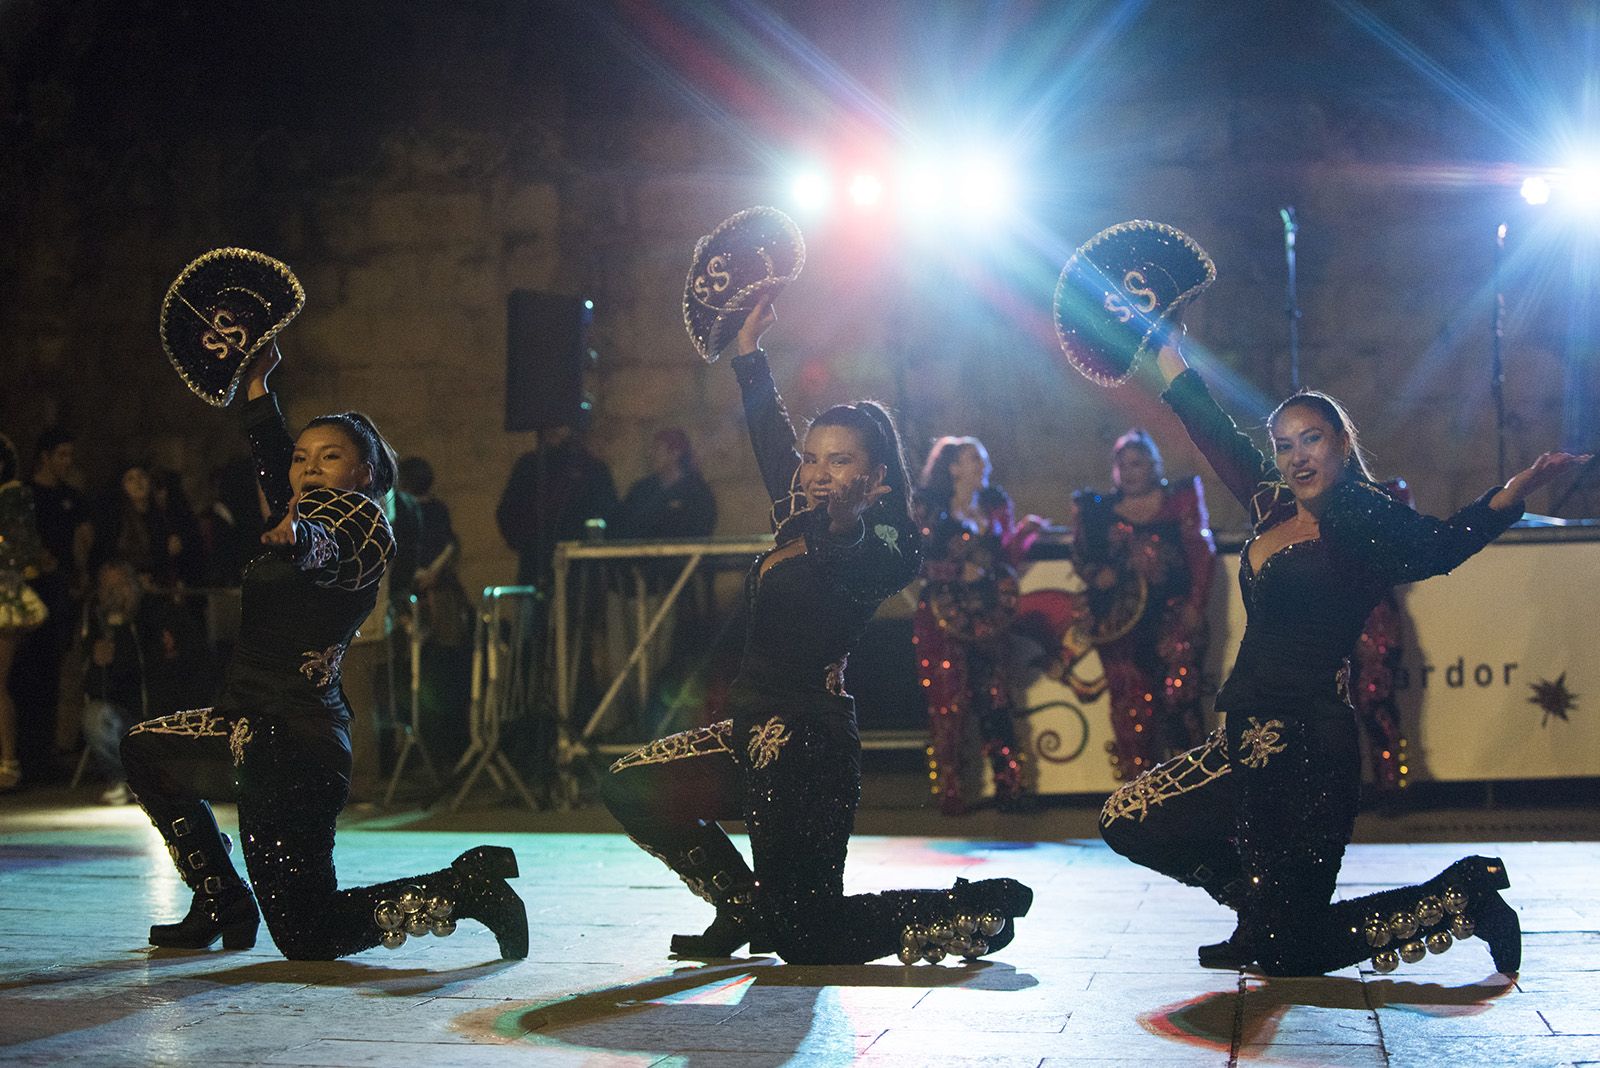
[[766, 741], [1187, 771], [191, 723], [702, 741], [239, 738], [1261, 740]]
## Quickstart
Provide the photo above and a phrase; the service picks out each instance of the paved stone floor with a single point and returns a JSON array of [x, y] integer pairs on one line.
[[1102, 972]]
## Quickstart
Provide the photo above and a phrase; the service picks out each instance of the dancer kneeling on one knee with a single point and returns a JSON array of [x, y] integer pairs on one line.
[[789, 761], [1260, 815], [278, 740]]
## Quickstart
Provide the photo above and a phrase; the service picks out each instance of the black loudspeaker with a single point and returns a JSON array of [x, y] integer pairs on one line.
[[547, 346]]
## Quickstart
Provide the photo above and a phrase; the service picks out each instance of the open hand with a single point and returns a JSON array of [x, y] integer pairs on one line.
[[761, 316], [284, 533], [846, 503], [1543, 471], [261, 366]]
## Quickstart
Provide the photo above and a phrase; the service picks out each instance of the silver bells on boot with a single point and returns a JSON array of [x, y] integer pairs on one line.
[[1403, 927], [963, 935], [411, 913]]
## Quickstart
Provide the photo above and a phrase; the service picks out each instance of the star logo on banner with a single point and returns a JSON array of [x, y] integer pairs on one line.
[[1554, 698]]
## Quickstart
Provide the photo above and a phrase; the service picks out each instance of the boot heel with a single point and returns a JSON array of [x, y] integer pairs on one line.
[[1494, 870], [493, 862], [241, 936]]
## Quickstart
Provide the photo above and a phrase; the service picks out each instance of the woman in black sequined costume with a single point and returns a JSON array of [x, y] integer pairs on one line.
[[277, 740], [1328, 544], [789, 760]]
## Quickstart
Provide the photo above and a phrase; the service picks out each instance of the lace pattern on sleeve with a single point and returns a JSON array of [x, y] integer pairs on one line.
[[348, 538]]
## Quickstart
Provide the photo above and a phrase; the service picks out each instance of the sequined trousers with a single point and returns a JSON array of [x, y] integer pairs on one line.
[[1259, 817], [961, 682], [290, 776], [795, 779]]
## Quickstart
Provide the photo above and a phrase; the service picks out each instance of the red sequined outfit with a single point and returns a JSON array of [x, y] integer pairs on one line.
[[962, 618], [1150, 619]]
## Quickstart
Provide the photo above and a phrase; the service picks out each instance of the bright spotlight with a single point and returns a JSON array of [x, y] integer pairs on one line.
[[1535, 190], [922, 189], [1584, 186], [985, 187], [866, 190], [810, 190]]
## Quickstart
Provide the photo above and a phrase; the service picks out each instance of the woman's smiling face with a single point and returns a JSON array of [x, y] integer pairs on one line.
[[1310, 452]]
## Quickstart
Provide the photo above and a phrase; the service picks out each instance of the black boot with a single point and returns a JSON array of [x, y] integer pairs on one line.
[[474, 887], [972, 920], [230, 914], [1231, 954], [1460, 902], [222, 907], [716, 872], [735, 926]]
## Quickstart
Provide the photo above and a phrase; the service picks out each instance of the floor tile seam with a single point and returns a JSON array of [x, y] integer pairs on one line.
[[1235, 1041], [1377, 1019]]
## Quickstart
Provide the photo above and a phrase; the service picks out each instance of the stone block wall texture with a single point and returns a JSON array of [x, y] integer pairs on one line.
[[414, 163]]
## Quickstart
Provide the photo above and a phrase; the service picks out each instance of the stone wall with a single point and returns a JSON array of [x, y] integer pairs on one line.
[[415, 169]]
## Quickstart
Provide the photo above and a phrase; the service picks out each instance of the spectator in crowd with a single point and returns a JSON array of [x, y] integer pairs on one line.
[[672, 501], [184, 562], [47, 689], [551, 495], [445, 615], [22, 558], [128, 526], [144, 656]]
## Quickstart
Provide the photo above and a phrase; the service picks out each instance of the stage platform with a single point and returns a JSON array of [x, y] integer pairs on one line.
[[1102, 971]]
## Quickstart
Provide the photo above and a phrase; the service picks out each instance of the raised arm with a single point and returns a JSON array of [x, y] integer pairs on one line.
[[771, 433], [270, 443], [1232, 455]]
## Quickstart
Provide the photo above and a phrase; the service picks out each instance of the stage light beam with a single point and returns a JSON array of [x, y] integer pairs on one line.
[[866, 190], [985, 188], [810, 190], [922, 191], [1583, 186]]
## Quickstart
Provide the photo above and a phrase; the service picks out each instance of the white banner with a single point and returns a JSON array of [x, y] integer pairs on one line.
[[1498, 680]]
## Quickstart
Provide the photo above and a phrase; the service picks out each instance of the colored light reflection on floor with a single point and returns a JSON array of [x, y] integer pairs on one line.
[[722, 992]]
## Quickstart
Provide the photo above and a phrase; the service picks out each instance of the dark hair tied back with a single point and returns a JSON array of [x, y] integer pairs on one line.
[[875, 427], [375, 451]]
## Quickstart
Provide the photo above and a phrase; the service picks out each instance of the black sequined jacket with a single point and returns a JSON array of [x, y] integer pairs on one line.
[[301, 604], [1306, 607], [809, 610]]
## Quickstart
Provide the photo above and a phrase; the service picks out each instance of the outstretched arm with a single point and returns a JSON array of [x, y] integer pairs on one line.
[[1386, 537]]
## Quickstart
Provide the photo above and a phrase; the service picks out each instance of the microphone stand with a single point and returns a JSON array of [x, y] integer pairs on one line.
[[1290, 229], [1497, 370]]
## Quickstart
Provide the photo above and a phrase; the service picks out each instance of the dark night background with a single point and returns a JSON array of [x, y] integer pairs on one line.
[[415, 162]]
